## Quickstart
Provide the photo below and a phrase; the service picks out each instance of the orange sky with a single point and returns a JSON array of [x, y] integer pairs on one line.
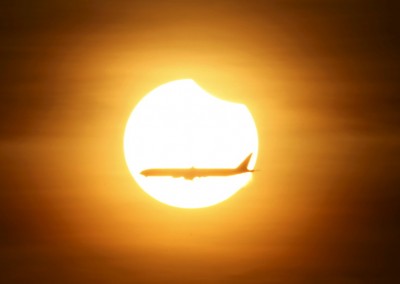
[[319, 79]]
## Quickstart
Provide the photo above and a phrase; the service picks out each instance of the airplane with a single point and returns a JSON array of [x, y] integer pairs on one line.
[[191, 173]]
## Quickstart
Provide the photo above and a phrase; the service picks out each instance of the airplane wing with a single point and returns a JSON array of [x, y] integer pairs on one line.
[[190, 175]]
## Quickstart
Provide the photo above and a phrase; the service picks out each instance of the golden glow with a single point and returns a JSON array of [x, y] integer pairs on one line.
[[179, 125]]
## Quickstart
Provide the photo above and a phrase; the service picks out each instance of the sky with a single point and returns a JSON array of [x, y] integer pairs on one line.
[[321, 81]]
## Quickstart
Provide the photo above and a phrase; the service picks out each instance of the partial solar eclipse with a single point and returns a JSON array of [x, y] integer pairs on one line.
[[180, 126]]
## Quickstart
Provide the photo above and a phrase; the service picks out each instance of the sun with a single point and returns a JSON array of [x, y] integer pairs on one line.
[[179, 125]]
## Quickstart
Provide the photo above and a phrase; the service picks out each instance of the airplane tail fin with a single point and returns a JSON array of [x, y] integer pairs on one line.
[[244, 164]]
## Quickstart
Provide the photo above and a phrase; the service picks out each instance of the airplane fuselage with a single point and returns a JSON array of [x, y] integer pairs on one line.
[[190, 173]]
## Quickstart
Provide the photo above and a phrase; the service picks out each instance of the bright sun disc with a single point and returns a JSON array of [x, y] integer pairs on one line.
[[179, 125]]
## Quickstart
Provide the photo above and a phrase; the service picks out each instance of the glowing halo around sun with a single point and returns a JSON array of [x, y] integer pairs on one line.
[[179, 125]]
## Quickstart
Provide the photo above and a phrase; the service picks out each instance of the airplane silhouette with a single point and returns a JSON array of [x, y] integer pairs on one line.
[[191, 173]]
